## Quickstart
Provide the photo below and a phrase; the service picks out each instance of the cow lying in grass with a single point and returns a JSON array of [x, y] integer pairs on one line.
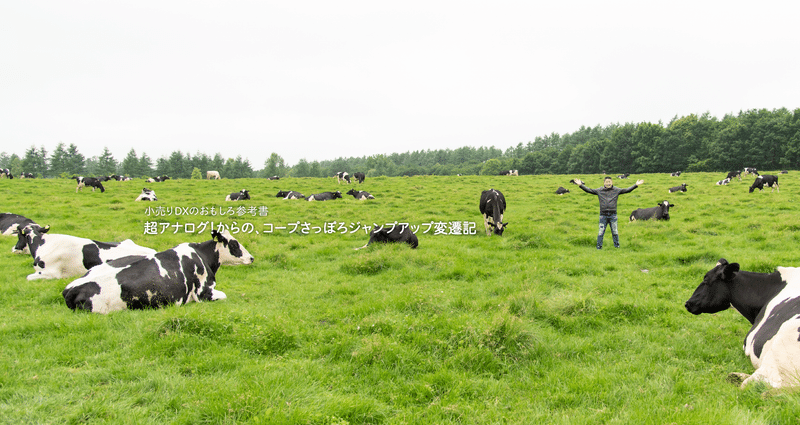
[[177, 276], [392, 233]]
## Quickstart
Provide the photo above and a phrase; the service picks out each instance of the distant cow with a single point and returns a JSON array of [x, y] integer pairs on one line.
[[176, 276], [360, 195], [242, 195], [324, 196], [157, 179], [26, 176], [492, 206], [92, 182], [509, 173], [6, 172], [342, 175], [748, 170], [771, 303], [273, 178], [681, 188], [289, 194], [147, 195], [784, 172], [732, 174], [724, 182], [623, 176], [392, 233], [57, 256], [765, 180], [359, 177], [661, 212], [212, 175], [561, 190], [675, 174]]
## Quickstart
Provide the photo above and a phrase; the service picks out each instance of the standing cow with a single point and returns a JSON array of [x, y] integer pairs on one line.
[[212, 175], [57, 256], [771, 303], [765, 180], [6, 172], [176, 276], [661, 212], [359, 177], [492, 206], [342, 175], [92, 182]]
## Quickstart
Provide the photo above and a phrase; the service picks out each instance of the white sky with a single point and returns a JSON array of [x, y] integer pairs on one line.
[[326, 79]]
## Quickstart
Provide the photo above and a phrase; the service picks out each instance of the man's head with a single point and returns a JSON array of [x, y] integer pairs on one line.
[[607, 182]]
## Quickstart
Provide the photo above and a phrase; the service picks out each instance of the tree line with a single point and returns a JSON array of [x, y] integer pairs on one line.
[[764, 139]]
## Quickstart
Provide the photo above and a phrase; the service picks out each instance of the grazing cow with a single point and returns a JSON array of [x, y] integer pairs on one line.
[[732, 174], [147, 195], [681, 188], [92, 182], [243, 195], [675, 174], [176, 276], [324, 196], [396, 233], [273, 178], [211, 174], [492, 206], [26, 176], [157, 179], [509, 173], [57, 256], [724, 181], [561, 190], [749, 171], [360, 195], [765, 179], [359, 177], [623, 176], [771, 303], [342, 175], [661, 212], [6, 172]]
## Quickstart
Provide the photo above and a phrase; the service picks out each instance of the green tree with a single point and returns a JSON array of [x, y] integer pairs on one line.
[[106, 164], [59, 165], [75, 160], [196, 174], [145, 166], [130, 165], [492, 167], [274, 166], [35, 161]]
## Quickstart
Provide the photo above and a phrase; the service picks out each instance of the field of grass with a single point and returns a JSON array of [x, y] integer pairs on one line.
[[536, 326]]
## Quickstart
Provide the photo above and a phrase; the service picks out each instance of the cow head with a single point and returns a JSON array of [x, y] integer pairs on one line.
[[282, 194], [665, 206], [499, 227], [714, 293], [336, 195], [245, 194], [758, 184], [29, 237], [230, 251]]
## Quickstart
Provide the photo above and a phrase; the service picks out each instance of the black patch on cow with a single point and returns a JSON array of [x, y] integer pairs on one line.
[[125, 261], [785, 310], [80, 296], [7, 220]]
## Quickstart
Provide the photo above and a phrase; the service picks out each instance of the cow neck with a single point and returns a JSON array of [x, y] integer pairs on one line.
[[34, 243], [208, 253], [750, 292]]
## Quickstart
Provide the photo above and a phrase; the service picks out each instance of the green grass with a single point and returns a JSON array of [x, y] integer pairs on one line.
[[536, 326]]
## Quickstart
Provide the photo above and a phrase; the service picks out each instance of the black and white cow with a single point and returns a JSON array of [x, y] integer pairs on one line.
[[92, 182], [324, 196], [359, 177], [784, 172], [561, 190], [623, 176], [342, 175], [289, 194], [661, 212], [675, 174], [177, 276], [724, 181], [492, 206], [765, 180], [509, 173], [748, 170], [10, 224], [681, 188], [396, 233], [6, 172], [360, 194], [57, 256], [771, 303], [147, 195], [732, 174], [242, 195], [26, 176], [273, 178], [157, 179]]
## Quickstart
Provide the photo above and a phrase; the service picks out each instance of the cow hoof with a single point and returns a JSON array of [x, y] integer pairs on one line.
[[737, 378]]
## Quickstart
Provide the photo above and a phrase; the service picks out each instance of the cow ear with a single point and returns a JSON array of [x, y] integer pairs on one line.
[[44, 229], [729, 271], [216, 235]]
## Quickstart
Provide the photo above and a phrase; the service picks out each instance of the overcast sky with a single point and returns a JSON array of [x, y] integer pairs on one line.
[[326, 79]]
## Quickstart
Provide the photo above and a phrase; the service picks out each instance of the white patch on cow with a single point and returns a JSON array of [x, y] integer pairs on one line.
[[311, 198]]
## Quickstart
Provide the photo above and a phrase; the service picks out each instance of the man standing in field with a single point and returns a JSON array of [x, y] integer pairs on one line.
[[608, 195]]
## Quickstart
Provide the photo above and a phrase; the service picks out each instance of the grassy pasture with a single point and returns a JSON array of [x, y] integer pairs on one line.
[[534, 327]]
